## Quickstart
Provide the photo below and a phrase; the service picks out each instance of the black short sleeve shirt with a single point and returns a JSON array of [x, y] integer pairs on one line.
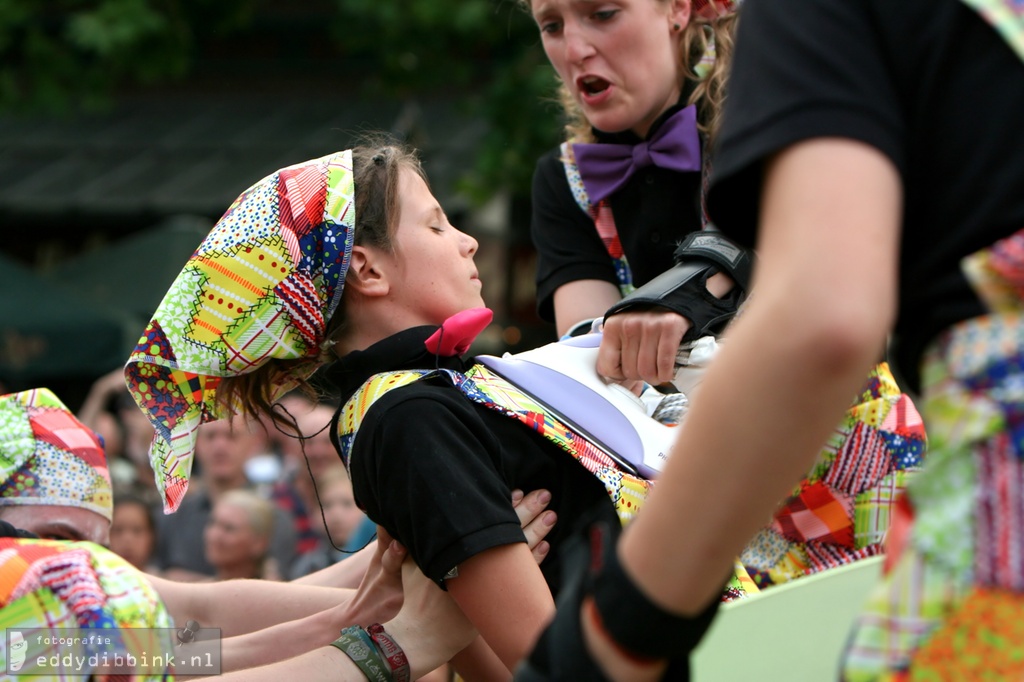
[[926, 82], [437, 470], [653, 211]]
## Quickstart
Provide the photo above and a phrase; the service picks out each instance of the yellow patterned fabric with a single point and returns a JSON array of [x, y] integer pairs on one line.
[[483, 386], [840, 512], [82, 587], [261, 287], [486, 388]]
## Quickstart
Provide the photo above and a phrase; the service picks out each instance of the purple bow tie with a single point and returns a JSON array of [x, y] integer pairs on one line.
[[604, 168]]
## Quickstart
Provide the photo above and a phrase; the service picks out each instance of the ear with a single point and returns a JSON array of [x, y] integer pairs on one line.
[[368, 271], [679, 14]]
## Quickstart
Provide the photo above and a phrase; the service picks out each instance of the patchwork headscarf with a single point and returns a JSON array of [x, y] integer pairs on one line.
[[48, 457], [261, 287], [52, 586]]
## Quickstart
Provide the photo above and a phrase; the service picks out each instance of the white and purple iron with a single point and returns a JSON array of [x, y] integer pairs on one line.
[[562, 377]]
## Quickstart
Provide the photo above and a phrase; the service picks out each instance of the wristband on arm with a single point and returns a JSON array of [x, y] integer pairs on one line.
[[375, 653], [683, 289], [393, 654]]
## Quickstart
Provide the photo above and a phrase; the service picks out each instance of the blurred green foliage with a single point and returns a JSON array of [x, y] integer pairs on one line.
[[61, 55], [65, 55], [489, 50]]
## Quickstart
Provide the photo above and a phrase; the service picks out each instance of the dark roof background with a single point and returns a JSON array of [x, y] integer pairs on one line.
[[153, 157], [47, 331]]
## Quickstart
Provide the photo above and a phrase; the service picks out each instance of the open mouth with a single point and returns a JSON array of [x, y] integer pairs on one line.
[[592, 85]]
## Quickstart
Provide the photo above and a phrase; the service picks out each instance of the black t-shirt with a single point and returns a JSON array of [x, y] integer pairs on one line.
[[437, 470], [653, 211], [928, 83]]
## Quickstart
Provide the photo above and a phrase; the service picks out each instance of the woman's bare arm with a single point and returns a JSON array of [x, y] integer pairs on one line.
[[791, 365], [503, 594], [581, 300]]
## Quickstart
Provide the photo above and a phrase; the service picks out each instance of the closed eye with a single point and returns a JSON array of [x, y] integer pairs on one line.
[[605, 14], [550, 27]]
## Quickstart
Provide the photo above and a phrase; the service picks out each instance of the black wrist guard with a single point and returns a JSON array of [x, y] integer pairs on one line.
[[638, 626], [683, 289]]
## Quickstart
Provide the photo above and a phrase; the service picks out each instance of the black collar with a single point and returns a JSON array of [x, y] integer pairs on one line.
[[404, 350]]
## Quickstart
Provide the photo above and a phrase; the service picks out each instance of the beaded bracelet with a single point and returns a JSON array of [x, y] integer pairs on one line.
[[396, 658], [357, 645]]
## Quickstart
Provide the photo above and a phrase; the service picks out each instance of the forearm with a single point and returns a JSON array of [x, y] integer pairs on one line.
[[788, 369], [283, 641], [582, 300], [345, 573], [238, 607], [479, 662], [425, 646], [322, 664]]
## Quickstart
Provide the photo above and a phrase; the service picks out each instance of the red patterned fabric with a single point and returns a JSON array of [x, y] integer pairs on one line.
[[817, 513]]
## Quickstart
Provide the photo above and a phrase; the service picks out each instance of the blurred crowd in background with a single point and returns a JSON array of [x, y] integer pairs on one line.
[[252, 510]]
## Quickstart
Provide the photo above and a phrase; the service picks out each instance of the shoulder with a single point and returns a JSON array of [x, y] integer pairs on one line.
[[802, 70], [427, 416], [551, 161], [427, 398], [549, 179]]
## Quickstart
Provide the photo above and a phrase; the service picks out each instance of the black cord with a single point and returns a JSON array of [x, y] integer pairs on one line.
[[437, 353], [316, 491]]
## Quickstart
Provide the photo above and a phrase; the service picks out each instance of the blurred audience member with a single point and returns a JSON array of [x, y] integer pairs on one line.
[[286, 444], [138, 435], [344, 520], [296, 494], [109, 410], [222, 449], [237, 537], [133, 531]]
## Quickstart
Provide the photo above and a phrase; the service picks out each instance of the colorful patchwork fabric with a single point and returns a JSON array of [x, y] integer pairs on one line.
[[898, 616], [873, 509], [1007, 16], [262, 286], [48, 457], [841, 511], [818, 512], [603, 219], [52, 584], [839, 517], [483, 386], [486, 388], [952, 604], [981, 640]]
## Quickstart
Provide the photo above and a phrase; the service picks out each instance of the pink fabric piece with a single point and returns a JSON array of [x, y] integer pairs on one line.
[[457, 333]]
